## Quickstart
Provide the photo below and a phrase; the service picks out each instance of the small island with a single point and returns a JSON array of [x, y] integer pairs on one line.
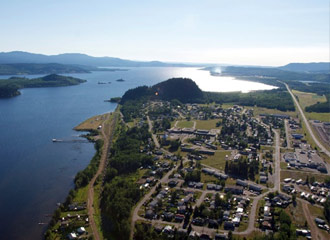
[[10, 87]]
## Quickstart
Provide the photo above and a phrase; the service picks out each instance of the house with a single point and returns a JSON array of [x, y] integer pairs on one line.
[[81, 230], [153, 204], [220, 236], [182, 209], [242, 183], [182, 232], [168, 230], [205, 237], [72, 236], [255, 188], [319, 221], [168, 216], [150, 214], [234, 189], [199, 185], [179, 217], [210, 186], [229, 225], [172, 183], [263, 179], [213, 224], [193, 235]]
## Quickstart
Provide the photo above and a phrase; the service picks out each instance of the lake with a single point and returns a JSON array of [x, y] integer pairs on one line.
[[36, 173]]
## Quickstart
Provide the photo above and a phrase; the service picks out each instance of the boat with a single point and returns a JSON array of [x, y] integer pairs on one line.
[[120, 80], [101, 83], [56, 140]]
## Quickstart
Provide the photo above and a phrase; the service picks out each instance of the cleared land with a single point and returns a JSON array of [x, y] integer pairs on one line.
[[185, 124], [302, 174], [260, 110], [307, 99], [218, 160], [91, 123], [207, 124]]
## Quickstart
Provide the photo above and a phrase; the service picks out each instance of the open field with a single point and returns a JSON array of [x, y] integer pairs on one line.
[[91, 123], [323, 117], [297, 215], [207, 124], [185, 124], [260, 110], [306, 99], [217, 161], [302, 174]]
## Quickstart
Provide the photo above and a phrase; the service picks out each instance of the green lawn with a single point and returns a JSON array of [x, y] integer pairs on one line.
[[207, 124], [205, 178], [324, 117], [260, 110], [217, 160], [185, 124]]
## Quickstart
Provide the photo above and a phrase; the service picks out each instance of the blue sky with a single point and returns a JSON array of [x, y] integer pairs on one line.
[[256, 32]]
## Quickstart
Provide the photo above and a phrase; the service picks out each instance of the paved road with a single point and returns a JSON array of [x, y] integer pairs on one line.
[[317, 142], [107, 139], [135, 215]]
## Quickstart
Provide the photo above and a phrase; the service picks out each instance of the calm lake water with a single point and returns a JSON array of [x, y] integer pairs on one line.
[[36, 173]]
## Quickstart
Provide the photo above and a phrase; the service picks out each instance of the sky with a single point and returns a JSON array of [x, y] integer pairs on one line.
[[245, 32]]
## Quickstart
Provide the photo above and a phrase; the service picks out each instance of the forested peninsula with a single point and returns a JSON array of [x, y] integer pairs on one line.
[[10, 87]]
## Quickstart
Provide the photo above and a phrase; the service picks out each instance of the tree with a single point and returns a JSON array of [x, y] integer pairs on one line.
[[226, 167], [270, 170]]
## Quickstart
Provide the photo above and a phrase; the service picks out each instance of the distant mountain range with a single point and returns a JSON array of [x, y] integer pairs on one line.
[[319, 67], [79, 59]]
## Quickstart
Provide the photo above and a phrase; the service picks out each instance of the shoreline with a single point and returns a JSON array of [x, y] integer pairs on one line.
[[93, 126]]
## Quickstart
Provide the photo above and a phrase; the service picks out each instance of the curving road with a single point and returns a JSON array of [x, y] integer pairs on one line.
[[317, 142]]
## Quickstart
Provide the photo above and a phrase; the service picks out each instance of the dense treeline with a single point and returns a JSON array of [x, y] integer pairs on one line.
[[276, 74], [274, 99], [121, 192], [319, 107], [83, 177], [182, 89], [242, 168], [9, 87]]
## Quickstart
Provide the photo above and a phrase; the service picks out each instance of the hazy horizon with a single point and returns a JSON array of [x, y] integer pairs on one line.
[[250, 32]]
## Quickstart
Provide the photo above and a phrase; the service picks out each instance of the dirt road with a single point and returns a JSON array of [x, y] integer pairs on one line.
[[107, 139]]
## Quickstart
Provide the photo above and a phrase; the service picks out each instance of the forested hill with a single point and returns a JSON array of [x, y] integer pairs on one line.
[[319, 67], [182, 89], [35, 68], [10, 87]]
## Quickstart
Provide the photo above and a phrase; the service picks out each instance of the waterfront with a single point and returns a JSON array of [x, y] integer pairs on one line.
[[36, 173]]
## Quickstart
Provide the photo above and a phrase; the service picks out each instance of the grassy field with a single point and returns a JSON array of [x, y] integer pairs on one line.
[[299, 174], [208, 179], [259, 110], [323, 117], [91, 123], [296, 214], [217, 160], [207, 124], [185, 124], [306, 99]]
